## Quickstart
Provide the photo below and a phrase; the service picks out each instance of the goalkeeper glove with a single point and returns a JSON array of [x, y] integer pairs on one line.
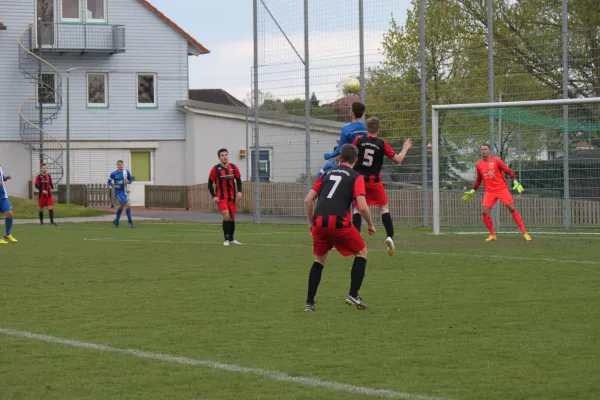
[[469, 194], [517, 186]]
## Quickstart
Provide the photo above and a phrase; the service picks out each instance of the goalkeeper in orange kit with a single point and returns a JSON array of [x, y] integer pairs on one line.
[[490, 171]]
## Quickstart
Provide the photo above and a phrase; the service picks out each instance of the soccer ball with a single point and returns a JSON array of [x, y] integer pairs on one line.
[[352, 85]]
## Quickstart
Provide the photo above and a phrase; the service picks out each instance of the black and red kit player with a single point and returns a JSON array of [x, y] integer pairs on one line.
[[371, 152], [331, 224], [225, 187], [45, 186]]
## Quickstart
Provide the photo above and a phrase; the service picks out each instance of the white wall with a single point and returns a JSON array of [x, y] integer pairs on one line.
[[15, 161]]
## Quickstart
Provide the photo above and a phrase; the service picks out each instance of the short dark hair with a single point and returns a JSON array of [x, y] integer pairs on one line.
[[487, 145], [119, 161], [358, 109], [42, 165], [348, 153], [221, 151], [372, 125]]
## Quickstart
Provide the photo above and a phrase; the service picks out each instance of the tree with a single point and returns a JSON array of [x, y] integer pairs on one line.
[[314, 102]]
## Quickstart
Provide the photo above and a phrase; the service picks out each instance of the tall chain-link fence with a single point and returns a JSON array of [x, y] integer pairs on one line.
[[409, 56]]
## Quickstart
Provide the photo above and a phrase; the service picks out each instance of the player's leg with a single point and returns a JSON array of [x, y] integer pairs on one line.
[[122, 201], [508, 202], [232, 211], [128, 213], [356, 217], [321, 247], [489, 199], [50, 205], [349, 242], [41, 204], [386, 219], [8, 222], [224, 209], [41, 215]]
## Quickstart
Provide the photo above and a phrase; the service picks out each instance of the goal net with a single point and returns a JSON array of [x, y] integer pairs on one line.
[[552, 146]]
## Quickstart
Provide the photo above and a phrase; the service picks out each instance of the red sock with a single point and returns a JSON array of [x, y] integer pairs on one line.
[[487, 220], [519, 221]]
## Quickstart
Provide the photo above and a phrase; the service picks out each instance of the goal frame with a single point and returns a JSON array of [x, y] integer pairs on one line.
[[435, 142]]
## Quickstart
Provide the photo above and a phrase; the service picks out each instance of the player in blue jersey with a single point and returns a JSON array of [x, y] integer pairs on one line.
[[351, 131], [330, 164], [119, 180], [6, 209]]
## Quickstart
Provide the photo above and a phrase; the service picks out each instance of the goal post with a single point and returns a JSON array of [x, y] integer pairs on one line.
[[553, 146]]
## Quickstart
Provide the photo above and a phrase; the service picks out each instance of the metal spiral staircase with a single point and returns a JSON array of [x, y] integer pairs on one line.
[[37, 112]]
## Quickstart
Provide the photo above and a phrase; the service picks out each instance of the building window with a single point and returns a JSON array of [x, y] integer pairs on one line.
[[141, 166], [70, 10], [264, 165], [96, 11], [146, 90], [47, 88], [97, 90]]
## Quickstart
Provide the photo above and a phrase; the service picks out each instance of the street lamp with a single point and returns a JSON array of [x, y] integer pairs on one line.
[[68, 185]]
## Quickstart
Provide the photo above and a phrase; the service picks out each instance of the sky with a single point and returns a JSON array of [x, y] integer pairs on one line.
[[225, 27]]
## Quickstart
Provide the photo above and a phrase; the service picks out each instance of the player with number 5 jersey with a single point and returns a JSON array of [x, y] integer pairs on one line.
[[371, 153]]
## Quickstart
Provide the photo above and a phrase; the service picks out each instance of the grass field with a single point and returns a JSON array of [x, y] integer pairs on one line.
[[445, 320], [29, 209]]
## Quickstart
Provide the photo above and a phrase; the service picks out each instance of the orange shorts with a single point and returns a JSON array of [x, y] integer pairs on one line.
[[230, 206], [346, 240], [490, 198]]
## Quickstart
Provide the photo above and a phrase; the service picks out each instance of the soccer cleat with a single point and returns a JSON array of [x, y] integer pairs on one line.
[[309, 307], [226, 243], [131, 225], [10, 239], [527, 237], [356, 302], [491, 238], [235, 242], [2, 241], [116, 223], [391, 247], [53, 224]]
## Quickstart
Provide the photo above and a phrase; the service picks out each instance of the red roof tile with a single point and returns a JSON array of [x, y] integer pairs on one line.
[[183, 33]]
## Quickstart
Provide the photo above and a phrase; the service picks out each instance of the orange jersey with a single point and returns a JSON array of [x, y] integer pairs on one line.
[[491, 173]]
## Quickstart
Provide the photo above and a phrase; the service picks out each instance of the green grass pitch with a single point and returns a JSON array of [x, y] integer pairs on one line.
[[450, 317]]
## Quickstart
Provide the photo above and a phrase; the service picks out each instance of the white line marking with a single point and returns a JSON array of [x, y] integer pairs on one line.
[[466, 255], [274, 375]]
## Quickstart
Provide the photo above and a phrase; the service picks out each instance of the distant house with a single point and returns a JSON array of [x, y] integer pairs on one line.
[[215, 96], [342, 108]]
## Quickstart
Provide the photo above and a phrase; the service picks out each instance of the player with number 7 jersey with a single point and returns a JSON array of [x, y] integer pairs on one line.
[[371, 152]]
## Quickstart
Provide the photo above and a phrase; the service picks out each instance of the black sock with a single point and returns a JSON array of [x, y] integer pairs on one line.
[[51, 212], [357, 275], [314, 278], [226, 229], [231, 229], [386, 219], [356, 221], [41, 217]]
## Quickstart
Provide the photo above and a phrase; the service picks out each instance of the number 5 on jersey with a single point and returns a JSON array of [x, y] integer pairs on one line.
[[368, 157]]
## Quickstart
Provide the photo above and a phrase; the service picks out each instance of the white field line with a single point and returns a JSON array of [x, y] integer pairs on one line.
[[274, 375], [442, 254]]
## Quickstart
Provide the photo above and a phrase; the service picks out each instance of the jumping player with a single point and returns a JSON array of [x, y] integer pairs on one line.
[[350, 131], [119, 180], [371, 150], [331, 225], [225, 176], [330, 164], [45, 187], [491, 171], [6, 208]]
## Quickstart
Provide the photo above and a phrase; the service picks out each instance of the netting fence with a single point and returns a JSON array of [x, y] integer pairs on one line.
[[407, 61]]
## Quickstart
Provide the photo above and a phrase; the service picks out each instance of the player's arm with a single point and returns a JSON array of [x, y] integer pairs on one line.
[[238, 181], [212, 178], [344, 138], [129, 177], [51, 183], [309, 201], [504, 168], [110, 180], [38, 185], [361, 203], [398, 158], [468, 195]]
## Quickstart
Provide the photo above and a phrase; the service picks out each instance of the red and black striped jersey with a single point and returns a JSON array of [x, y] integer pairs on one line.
[[224, 178], [337, 189], [371, 151], [44, 182]]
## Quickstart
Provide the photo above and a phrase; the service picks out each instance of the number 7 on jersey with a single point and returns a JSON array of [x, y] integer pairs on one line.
[[337, 179]]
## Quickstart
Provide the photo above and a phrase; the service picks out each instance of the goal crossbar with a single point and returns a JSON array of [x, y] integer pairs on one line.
[[435, 135]]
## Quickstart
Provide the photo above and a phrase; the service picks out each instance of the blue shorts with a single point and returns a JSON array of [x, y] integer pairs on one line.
[[122, 197], [5, 206]]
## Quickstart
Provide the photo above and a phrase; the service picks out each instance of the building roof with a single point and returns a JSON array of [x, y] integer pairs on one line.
[[2, 27], [199, 49], [215, 96]]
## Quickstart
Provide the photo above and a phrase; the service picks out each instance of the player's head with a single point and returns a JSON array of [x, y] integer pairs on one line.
[[348, 154], [44, 169], [486, 150], [120, 165], [358, 109], [223, 156], [372, 125]]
